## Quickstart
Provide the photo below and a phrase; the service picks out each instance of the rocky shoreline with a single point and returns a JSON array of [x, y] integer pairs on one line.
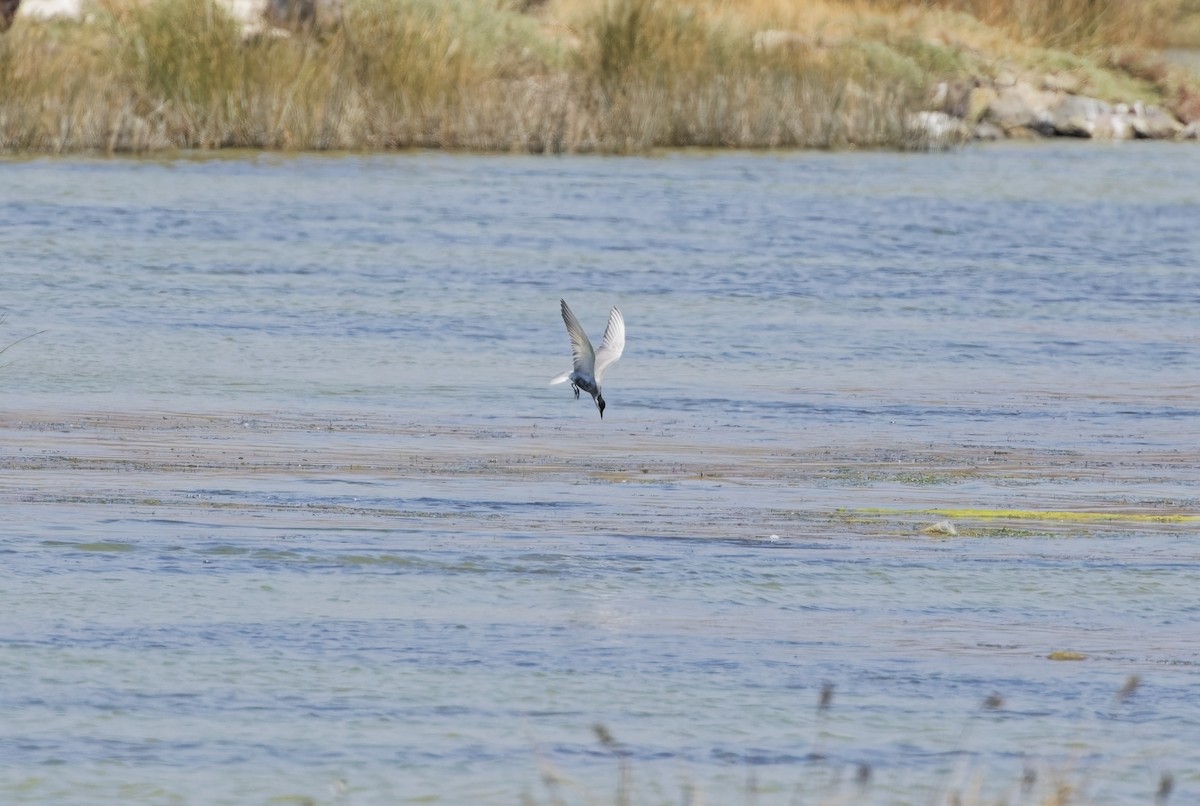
[[1025, 108], [1018, 105]]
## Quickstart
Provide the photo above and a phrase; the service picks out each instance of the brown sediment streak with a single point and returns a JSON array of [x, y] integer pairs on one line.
[[672, 481]]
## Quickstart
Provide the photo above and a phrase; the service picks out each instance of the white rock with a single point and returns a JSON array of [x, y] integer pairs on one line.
[[987, 130], [937, 129], [246, 12], [1021, 106], [49, 9], [1081, 116], [1155, 123], [252, 15]]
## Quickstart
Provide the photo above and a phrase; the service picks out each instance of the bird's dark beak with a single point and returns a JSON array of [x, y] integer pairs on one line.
[[600, 403]]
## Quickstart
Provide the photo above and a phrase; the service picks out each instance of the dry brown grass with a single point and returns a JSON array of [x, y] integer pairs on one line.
[[576, 75], [644, 74], [1075, 25]]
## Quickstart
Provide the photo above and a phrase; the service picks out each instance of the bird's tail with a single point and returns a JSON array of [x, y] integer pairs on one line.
[[566, 376]]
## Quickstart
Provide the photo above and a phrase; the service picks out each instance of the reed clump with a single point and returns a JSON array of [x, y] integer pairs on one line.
[[658, 73], [566, 76], [183, 74]]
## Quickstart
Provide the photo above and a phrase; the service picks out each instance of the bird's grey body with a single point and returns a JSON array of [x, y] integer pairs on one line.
[[589, 364]]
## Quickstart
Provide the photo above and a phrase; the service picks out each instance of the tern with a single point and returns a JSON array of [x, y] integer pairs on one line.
[[590, 364]]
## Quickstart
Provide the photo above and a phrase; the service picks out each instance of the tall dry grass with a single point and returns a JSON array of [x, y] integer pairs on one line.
[[420, 73], [180, 74], [627, 76], [1076, 25], [658, 73]]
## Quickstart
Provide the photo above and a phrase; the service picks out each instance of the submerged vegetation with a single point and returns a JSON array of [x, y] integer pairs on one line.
[[556, 75]]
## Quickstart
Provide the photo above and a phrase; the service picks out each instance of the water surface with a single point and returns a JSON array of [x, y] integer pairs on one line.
[[288, 511]]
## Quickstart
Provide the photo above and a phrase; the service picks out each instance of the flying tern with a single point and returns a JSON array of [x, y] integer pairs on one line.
[[590, 364]]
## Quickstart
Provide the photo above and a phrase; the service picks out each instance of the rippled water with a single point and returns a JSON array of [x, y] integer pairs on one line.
[[288, 512]]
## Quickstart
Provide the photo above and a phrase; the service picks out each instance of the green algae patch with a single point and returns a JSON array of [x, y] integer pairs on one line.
[[1058, 515], [100, 546], [1064, 654], [1064, 516]]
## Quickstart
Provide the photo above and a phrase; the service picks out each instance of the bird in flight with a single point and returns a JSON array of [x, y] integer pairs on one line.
[[590, 364]]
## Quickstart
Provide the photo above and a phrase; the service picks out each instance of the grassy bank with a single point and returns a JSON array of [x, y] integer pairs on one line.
[[560, 75]]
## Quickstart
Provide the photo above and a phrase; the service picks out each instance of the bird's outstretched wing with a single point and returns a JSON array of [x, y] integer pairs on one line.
[[613, 343], [581, 348]]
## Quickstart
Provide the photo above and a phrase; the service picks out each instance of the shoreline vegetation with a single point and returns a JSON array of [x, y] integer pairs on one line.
[[607, 76]]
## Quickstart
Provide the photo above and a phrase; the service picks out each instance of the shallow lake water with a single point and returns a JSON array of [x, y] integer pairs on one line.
[[289, 514]]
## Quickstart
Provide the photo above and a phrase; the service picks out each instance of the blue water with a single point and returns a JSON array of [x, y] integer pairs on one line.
[[288, 512]]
